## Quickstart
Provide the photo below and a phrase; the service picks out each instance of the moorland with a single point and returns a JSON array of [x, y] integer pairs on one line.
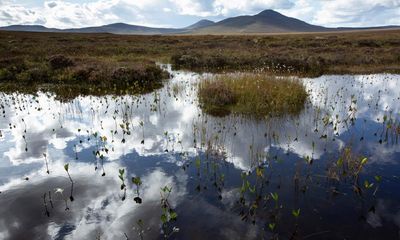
[[68, 58]]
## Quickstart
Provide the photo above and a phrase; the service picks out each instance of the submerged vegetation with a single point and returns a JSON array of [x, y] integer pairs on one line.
[[252, 94], [325, 152], [175, 172]]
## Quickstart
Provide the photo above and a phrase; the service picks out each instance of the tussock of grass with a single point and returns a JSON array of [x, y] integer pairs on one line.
[[251, 94]]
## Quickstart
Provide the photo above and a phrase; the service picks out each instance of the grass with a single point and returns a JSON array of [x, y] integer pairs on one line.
[[251, 94], [68, 78], [300, 54], [104, 63], [177, 88], [348, 165]]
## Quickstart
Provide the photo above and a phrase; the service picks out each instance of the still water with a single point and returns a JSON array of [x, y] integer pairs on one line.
[[331, 172]]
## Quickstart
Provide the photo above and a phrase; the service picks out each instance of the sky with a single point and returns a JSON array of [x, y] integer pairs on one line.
[[181, 13]]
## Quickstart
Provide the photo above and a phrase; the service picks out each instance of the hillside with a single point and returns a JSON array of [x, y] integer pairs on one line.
[[265, 22]]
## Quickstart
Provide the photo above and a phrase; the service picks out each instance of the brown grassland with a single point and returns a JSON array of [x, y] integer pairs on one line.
[[95, 62]]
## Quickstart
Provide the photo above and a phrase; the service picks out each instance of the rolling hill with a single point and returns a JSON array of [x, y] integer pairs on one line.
[[267, 21], [201, 24], [122, 28]]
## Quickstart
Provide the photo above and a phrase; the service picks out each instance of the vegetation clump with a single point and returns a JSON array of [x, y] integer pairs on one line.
[[60, 62], [29, 61], [271, 63], [252, 94], [68, 79]]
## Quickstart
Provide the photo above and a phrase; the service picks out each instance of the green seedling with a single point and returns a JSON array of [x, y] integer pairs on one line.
[[272, 226], [296, 213], [66, 168], [368, 185], [138, 182]]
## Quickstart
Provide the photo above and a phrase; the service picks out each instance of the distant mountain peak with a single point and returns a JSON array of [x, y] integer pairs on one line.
[[119, 24], [200, 24], [205, 21], [269, 12], [267, 21]]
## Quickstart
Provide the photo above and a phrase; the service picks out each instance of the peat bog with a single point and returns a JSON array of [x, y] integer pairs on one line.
[[238, 137]]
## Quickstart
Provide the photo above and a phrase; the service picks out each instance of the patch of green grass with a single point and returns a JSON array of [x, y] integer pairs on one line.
[[252, 94]]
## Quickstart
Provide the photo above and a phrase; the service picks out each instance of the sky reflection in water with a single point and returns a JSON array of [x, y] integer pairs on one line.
[[165, 139]]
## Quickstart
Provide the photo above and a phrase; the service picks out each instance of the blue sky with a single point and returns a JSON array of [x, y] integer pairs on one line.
[[180, 13]]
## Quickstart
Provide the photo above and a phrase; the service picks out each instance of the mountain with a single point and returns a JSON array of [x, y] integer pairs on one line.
[[267, 21], [29, 28], [200, 24], [115, 28], [122, 28]]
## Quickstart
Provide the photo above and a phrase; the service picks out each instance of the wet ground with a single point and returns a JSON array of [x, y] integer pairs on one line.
[[331, 172]]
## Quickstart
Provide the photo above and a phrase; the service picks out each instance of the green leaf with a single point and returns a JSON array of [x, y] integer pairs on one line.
[[173, 215], [275, 196], [165, 189], [164, 218], [368, 185], [378, 178], [296, 213], [339, 162], [364, 161], [198, 163], [272, 226], [137, 181], [66, 167], [260, 172]]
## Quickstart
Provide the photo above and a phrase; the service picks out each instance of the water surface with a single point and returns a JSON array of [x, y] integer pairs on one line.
[[223, 173]]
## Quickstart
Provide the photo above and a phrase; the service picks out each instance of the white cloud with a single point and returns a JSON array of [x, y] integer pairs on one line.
[[65, 14], [190, 7], [225, 7], [358, 12], [179, 13], [51, 4], [17, 14]]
